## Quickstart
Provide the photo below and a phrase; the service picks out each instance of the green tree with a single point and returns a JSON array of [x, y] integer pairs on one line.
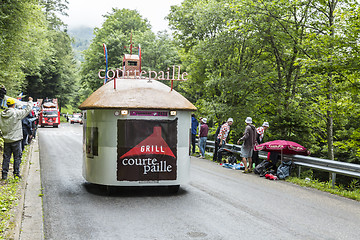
[[332, 64], [52, 8], [115, 33], [293, 63], [22, 42], [208, 53], [56, 76], [157, 51], [279, 27]]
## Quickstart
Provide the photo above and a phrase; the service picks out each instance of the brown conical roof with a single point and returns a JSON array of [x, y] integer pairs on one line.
[[136, 94]]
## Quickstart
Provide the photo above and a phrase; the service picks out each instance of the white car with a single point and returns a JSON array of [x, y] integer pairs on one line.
[[76, 119]]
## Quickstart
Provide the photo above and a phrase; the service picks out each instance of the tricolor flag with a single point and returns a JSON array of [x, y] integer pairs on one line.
[[106, 62], [20, 96]]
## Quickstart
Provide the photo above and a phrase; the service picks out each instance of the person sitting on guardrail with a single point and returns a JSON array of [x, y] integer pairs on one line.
[[221, 139], [11, 128], [204, 129], [247, 147]]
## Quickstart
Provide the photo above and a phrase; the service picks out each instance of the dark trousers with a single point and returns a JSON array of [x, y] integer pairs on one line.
[[255, 157], [15, 149], [34, 132], [216, 150], [24, 141], [220, 150], [193, 139]]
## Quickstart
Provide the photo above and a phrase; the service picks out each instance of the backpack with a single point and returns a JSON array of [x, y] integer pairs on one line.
[[262, 167], [232, 159], [284, 169]]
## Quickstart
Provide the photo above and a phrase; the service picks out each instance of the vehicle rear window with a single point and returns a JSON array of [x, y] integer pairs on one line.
[[50, 113]]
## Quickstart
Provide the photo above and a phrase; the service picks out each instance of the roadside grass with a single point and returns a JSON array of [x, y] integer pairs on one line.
[[9, 196], [352, 191]]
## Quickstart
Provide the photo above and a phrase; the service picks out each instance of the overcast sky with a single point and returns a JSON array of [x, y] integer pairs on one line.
[[90, 12]]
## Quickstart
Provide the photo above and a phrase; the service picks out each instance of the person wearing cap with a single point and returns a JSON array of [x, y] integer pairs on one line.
[[11, 129], [221, 139], [259, 139], [204, 129], [247, 147], [260, 132]]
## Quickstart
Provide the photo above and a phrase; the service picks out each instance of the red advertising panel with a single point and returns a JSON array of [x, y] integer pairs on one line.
[[147, 150]]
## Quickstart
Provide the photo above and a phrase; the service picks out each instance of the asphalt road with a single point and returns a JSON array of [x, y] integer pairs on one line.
[[218, 203]]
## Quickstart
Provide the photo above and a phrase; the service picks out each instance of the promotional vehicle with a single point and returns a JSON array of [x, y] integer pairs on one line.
[[136, 132], [49, 112]]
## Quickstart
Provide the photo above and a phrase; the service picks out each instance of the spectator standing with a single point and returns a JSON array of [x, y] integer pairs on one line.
[[204, 129], [260, 132], [198, 130], [259, 139], [247, 147], [2, 95], [221, 138], [194, 125], [200, 121], [11, 128], [35, 123], [216, 142], [27, 131]]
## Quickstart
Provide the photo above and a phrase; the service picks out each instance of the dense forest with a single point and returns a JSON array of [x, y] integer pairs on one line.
[[36, 57], [293, 63]]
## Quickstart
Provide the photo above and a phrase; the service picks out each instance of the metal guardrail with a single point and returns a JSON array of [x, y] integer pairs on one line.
[[342, 168]]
